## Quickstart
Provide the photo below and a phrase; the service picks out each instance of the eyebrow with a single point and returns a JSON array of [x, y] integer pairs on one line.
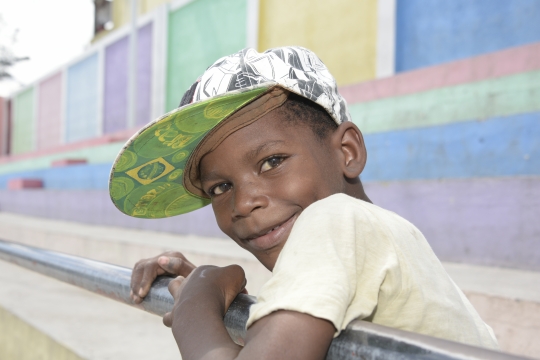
[[211, 176], [255, 152]]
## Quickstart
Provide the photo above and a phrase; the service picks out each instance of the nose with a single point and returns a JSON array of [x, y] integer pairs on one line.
[[247, 198]]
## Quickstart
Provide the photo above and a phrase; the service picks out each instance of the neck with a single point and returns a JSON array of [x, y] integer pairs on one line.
[[355, 189]]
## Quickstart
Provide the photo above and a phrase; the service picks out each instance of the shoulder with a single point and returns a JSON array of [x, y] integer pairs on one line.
[[344, 207]]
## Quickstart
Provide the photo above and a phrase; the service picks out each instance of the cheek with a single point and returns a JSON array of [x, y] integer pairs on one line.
[[303, 186], [223, 219]]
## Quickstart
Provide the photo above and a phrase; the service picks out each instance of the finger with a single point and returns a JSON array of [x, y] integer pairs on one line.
[[167, 319], [151, 272], [136, 276], [174, 285], [175, 265]]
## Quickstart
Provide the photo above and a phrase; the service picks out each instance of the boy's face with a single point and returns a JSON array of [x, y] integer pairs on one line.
[[263, 176]]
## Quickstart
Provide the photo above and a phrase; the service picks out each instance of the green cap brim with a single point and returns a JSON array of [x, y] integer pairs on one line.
[[146, 179]]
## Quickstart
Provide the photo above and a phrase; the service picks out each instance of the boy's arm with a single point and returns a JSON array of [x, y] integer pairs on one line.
[[201, 301]]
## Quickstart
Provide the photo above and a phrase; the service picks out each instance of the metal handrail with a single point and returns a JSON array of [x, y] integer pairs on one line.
[[361, 339]]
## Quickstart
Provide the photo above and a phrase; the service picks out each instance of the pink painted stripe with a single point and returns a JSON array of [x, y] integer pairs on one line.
[[106, 139], [502, 63]]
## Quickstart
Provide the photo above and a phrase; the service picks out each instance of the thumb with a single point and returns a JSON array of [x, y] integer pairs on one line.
[[174, 285], [167, 319]]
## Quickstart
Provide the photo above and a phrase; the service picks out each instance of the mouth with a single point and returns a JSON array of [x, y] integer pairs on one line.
[[267, 239]]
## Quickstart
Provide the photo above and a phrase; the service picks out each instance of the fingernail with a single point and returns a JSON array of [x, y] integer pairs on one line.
[[163, 260], [140, 292]]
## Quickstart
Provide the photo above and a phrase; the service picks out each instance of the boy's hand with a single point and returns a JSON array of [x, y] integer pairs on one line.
[[200, 303], [147, 270], [210, 286]]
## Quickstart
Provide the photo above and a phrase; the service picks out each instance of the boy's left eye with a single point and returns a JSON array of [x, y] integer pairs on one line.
[[271, 163]]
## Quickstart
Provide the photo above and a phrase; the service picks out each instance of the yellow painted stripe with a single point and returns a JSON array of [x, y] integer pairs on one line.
[[21, 341], [343, 33]]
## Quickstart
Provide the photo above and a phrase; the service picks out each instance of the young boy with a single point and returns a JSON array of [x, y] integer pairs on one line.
[[267, 139]]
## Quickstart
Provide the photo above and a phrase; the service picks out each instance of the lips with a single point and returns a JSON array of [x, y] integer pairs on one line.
[[276, 235]]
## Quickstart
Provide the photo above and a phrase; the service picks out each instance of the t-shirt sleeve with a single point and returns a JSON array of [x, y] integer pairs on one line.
[[316, 271]]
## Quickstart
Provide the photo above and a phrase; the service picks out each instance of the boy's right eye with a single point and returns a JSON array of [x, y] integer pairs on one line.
[[220, 189]]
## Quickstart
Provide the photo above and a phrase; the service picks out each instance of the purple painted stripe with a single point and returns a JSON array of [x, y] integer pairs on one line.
[[144, 74], [116, 81], [95, 207], [115, 89], [485, 221]]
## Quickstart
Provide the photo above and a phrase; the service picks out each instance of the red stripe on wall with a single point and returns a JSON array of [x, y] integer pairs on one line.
[[118, 136], [502, 63]]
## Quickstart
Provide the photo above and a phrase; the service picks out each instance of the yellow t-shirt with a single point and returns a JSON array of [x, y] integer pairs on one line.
[[347, 259]]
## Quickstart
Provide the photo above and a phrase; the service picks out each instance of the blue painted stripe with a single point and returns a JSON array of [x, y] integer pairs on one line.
[[88, 176], [430, 32], [506, 146]]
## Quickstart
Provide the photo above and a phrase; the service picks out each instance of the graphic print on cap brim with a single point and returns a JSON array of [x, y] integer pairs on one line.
[[147, 176]]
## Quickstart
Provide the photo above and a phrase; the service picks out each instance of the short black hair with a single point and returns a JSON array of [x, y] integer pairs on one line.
[[299, 110]]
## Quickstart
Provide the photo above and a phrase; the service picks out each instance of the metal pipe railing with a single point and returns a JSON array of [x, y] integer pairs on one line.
[[361, 339]]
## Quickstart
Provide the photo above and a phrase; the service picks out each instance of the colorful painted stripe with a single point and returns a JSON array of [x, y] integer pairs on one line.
[[505, 146], [476, 101], [83, 118], [23, 126], [188, 56], [502, 63], [430, 32], [93, 155], [488, 221], [49, 112], [93, 176], [96, 207]]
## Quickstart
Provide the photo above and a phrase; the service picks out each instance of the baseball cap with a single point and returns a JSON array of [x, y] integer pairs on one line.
[[155, 175]]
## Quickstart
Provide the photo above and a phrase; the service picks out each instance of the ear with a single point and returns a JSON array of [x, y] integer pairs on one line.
[[349, 142]]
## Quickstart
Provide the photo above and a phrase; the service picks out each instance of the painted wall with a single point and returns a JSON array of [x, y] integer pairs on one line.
[[342, 33], [49, 113], [92, 154], [115, 97], [500, 96], [200, 33], [484, 221], [502, 146], [23, 133], [82, 120], [4, 131], [454, 147], [144, 75], [488, 221], [87, 176], [430, 32]]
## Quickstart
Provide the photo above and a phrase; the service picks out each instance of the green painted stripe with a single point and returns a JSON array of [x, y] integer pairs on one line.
[[23, 122], [504, 96], [194, 44], [93, 155]]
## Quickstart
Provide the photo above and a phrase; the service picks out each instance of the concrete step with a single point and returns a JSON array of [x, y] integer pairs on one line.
[[507, 299]]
